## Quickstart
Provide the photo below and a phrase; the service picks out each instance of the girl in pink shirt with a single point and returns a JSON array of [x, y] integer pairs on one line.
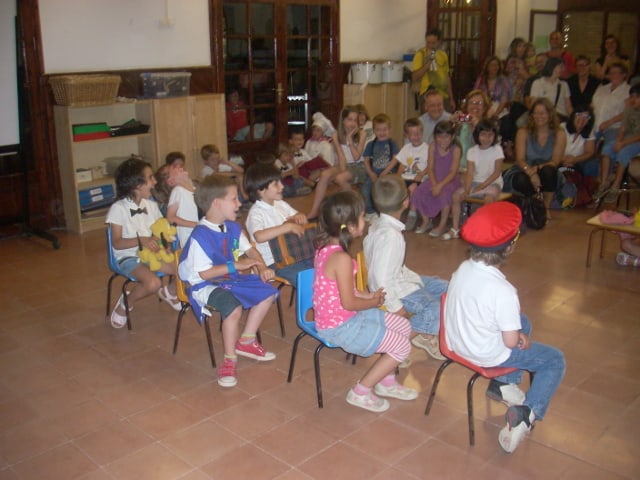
[[353, 320]]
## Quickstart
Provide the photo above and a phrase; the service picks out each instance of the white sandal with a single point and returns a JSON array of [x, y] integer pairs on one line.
[[165, 294], [451, 234], [117, 320]]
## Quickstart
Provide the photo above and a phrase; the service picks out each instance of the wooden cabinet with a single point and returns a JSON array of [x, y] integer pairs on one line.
[[394, 99], [185, 124], [86, 201]]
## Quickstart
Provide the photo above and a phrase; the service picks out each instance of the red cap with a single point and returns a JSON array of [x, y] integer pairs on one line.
[[492, 227]]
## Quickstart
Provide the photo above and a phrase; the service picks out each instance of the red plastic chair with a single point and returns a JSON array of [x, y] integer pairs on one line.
[[452, 357]]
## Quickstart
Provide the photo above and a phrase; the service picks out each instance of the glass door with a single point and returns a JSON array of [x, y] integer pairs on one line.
[[468, 36], [280, 60]]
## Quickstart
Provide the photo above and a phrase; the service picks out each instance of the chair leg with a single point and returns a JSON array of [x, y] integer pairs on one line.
[[434, 387], [176, 338], [207, 331], [472, 432], [279, 305], [316, 366], [293, 294], [126, 303], [294, 350], [109, 293]]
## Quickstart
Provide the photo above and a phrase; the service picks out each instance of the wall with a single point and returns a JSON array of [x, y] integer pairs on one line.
[[380, 29], [8, 81], [124, 34], [513, 20]]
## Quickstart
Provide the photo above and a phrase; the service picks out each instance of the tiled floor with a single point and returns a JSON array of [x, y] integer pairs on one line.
[[79, 399]]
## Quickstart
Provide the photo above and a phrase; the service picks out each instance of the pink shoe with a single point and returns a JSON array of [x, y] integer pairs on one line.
[[254, 350], [227, 374]]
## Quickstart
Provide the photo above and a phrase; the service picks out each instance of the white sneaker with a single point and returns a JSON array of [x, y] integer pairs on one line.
[[520, 420], [430, 344], [368, 402], [396, 391], [507, 393]]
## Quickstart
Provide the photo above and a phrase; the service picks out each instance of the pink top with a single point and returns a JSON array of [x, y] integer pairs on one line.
[[329, 312]]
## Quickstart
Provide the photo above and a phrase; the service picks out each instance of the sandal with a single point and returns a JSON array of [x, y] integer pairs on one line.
[[168, 297], [451, 234], [117, 320]]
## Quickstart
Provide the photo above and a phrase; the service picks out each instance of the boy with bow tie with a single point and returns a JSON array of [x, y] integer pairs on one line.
[[130, 218]]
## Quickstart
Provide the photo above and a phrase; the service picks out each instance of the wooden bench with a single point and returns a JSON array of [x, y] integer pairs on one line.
[[598, 226], [480, 200]]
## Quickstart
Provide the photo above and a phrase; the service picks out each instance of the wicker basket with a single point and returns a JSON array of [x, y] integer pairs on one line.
[[85, 90]]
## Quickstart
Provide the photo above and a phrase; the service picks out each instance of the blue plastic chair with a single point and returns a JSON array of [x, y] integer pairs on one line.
[[116, 272], [304, 303]]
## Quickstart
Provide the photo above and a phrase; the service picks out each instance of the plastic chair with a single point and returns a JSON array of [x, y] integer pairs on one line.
[[289, 249], [304, 303], [452, 357], [116, 272], [181, 292]]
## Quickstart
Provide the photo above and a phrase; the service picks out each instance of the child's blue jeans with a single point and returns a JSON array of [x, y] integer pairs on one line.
[[546, 362], [424, 304]]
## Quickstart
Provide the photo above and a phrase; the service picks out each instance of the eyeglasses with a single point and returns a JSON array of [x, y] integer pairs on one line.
[[584, 115], [476, 102]]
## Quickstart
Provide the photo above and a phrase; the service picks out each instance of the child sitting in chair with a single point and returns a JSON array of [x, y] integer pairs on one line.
[[211, 262], [484, 323], [130, 219]]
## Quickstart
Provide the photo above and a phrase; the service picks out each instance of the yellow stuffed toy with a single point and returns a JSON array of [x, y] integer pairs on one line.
[[165, 234]]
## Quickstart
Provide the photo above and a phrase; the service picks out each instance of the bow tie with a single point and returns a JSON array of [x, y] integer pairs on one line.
[[139, 210]]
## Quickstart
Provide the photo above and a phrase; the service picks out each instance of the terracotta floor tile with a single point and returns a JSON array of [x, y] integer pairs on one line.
[[342, 462], [112, 441], [211, 398], [129, 398], [202, 443], [29, 439], [294, 442], [252, 418], [165, 418], [62, 462], [83, 418], [150, 463], [245, 461]]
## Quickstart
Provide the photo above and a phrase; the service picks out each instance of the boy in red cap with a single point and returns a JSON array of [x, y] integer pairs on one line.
[[484, 323]]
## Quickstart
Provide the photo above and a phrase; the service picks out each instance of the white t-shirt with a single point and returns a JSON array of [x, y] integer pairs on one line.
[[263, 216], [608, 103], [321, 148], [348, 155], [198, 261], [187, 210], [222, 168], [484, 162], [419, 156], [301, 156], [481, 304], [541, 88], [140, 223], [575, 143]]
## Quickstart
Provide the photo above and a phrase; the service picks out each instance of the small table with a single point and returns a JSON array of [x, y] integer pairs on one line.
[[598, 226]]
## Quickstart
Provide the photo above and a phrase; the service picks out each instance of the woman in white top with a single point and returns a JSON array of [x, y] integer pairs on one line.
[[551, 87], [581, 145]]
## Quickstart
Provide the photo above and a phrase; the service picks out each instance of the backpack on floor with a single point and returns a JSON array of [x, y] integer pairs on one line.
[[534, 213]]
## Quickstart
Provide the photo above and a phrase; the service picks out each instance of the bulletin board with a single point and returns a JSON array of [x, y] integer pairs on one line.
[[94, 35]]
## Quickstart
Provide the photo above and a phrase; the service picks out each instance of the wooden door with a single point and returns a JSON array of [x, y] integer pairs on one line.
[[281, 58], [468, 36]]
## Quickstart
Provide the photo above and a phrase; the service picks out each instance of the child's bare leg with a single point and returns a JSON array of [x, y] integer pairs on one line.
[[384, 366], [147, 283], [170, 269], [321, 189], [343, 180], [631, 246], [256, 316], [231, 332], [456, 209], [444, 218]]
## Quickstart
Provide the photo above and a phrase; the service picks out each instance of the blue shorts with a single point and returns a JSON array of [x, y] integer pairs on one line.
[[128, 264], [360, 335], [223, 301]]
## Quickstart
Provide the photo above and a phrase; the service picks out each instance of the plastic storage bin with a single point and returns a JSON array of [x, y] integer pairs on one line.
[[165, 84]]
